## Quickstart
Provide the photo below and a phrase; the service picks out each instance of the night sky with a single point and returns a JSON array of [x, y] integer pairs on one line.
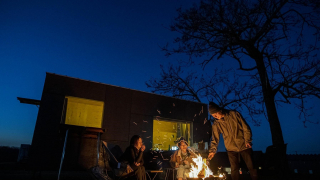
[[113, 42]]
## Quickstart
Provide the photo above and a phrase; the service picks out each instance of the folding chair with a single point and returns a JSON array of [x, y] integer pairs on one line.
[[119, 172]]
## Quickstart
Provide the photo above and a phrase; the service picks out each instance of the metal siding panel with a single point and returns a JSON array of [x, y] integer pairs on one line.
[[46, 142], [68, 86], [117, 114], [142, 125]]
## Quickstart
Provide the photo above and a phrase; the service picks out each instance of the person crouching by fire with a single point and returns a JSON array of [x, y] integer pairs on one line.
[[181, 159], [237, 138]]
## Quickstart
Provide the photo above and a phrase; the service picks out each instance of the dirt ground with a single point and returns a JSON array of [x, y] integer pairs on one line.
[[14, 171], [46, 175], [86, 175]]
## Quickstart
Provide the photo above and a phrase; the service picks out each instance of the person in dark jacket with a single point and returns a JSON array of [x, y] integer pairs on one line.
[[237, 138], [134, 156]]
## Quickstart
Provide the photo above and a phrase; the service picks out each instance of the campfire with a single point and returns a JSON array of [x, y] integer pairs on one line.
[[201, 170]]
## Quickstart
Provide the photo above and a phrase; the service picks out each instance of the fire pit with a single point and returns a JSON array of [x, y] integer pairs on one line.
[[201, 171], [210, 178]]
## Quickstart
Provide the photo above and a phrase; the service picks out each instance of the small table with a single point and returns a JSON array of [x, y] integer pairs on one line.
[[154, 171]]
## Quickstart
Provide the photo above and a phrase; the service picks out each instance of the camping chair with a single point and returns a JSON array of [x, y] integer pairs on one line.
[[119, 170]]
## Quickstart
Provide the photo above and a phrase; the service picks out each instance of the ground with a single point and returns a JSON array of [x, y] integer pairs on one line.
[[15, 171]]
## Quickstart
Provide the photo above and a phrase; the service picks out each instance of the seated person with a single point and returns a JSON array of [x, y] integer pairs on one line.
[[181, 159], [134, 156]]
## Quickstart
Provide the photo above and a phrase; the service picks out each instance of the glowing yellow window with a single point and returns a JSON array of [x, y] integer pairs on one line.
[[83, 112], [166, 132]]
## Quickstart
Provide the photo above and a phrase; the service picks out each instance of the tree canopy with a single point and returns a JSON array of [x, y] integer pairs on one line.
[[274, 44]]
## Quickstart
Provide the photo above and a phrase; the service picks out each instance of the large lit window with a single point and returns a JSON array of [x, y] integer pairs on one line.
[[83, 112], [166, 132]]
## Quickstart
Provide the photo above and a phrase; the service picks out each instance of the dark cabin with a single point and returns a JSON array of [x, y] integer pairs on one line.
[[92, 111]]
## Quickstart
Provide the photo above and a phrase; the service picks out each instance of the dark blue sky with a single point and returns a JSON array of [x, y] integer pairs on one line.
[[113, 42]]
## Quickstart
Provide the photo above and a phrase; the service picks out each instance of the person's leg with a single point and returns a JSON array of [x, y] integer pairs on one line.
[[186, 172], [180, 172], [234, 162], [141, 173], [247, 157]]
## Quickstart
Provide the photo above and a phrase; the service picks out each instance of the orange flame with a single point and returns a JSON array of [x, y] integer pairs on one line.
[[201, 165]]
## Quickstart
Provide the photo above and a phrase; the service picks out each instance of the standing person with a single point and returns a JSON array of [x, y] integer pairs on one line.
[[181, 159], [134, 156], [237, 138]]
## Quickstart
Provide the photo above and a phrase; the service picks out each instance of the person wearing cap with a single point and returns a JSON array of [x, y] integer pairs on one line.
[[237, 138], [181, 159]]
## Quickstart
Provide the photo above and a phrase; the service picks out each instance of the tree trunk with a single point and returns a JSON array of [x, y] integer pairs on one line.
[[276, 132], [276, 153]]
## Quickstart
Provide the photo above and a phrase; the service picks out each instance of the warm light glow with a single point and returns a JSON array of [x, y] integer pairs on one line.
[[166, 132], [200, 166], [220, 175], [174, 148], [83, 112]]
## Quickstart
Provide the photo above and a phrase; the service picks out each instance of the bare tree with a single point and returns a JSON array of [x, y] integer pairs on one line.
[[273, 41], [220, 87]]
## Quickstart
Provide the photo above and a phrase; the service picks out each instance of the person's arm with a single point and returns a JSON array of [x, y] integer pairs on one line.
[[132, 157], [192, 155], [140, 160], [173, 159], [215, 139], [246, 129], [136, 159]]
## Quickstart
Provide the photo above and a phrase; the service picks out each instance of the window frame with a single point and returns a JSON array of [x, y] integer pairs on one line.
[[155, 118], [65, 107]]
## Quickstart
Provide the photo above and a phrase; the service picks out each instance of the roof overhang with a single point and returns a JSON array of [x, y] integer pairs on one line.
[[29, 101]]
